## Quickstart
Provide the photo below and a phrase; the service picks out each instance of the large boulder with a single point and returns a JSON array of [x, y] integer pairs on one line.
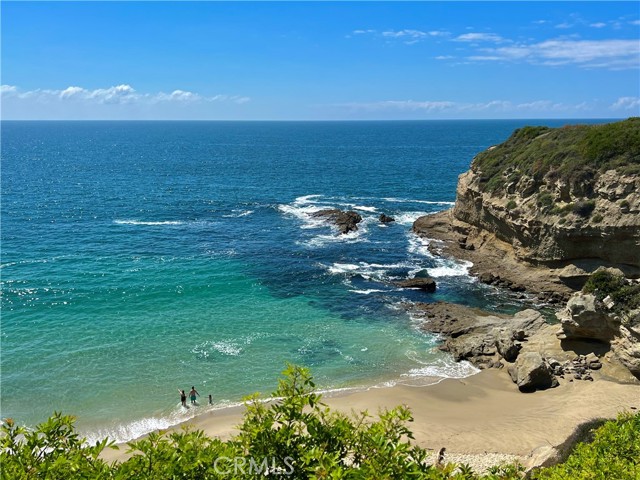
[[531, 372], [583, 319], [422, 283], [345, 221]]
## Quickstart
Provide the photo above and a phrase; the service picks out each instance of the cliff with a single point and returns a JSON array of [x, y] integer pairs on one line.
[[549, 199]]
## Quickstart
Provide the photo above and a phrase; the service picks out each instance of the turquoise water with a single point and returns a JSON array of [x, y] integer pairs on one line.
[[143, 257]]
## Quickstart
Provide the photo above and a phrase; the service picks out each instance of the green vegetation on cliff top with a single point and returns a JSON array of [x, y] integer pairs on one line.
[[576, 153]]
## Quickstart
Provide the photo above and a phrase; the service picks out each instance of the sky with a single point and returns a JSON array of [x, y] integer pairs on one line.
[[319, 60]]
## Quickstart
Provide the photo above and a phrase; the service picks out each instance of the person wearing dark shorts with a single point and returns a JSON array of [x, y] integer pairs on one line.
[[193, 394], [183, 397]]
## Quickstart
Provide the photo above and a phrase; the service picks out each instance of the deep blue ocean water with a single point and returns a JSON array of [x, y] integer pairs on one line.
[[143, 257]]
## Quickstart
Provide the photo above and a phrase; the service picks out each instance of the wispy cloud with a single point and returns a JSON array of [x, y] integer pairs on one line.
[[479, 37], [612, 54], [407, 35], [119, 94], [453, 107], [598, 25], [626, 103]]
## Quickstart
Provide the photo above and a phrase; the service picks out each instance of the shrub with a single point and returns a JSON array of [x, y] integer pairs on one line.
[[624, 204], [597, 218], [625, 295], [297, 435], [511, 204], [545, 199], [584, 208]]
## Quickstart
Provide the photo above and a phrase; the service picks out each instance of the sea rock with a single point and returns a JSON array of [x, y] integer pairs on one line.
[[422, 283], [345, 221], [530, 372], [386, 218]]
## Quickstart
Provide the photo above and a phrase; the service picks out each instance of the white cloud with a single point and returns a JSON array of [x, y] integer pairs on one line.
[[8, 90], [119, 94], [564, 25], [635, 22], [598, 25], [626, 103], [612, 54], [452, 107], [479, 37], [444, 57]]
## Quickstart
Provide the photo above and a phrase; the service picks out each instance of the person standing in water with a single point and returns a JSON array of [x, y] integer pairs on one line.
[[183, 397], [193, 394]]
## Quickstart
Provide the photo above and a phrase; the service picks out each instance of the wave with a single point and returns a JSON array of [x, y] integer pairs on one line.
[[407, 218], [148, 223], [368, 271], [425, 202], [444, 368], [445, 267], [367, 292], [239, 213]]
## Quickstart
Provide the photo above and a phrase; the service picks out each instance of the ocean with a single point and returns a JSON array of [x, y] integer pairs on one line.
[[143, 257]]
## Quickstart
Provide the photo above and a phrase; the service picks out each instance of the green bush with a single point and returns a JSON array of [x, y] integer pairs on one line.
[[624, 204], [511, 204], [295, 436], [584, 208], [545, 199], [613, 454], [597, 218], [625, 295]]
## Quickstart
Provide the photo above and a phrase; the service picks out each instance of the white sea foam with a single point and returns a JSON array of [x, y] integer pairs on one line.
[[140, 222], [368, 271], [407, 200], [239, 213], [367, 292], [445, 368], [407, 218], [451, 269]]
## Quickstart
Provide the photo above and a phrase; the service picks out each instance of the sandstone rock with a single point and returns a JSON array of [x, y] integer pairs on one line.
[[582, 319], [531, 372], [626, 349], [345, 221], [573, 276], [422, 283]]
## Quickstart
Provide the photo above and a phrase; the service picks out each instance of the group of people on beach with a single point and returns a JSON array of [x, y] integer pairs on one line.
[[192, 395]]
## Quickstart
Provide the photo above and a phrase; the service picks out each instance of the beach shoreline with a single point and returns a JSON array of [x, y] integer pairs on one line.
[[478, 418]]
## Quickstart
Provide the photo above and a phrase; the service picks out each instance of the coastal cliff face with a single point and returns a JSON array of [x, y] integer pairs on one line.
[[559, 195]]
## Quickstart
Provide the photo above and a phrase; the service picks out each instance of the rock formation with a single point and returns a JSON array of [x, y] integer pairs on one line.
[[423, 283], [544, 200], [345, 221]]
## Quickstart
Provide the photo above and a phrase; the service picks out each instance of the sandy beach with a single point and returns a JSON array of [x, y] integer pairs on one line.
[[476, 416]]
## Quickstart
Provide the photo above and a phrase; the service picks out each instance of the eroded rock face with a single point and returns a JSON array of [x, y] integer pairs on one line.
[[547, 233], [345, 221], [531, 372]]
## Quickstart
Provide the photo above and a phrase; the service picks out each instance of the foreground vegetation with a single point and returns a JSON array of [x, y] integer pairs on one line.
[[576, 153], [296, 437]]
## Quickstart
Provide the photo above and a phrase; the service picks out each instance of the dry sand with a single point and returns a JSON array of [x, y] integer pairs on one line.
[[475, 416]]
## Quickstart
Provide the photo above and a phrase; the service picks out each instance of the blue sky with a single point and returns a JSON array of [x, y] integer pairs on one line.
[[320, 60]]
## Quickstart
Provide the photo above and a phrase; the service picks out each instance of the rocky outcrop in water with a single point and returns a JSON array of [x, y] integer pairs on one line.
[[422, 283], [386, 218], [345, 221]]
